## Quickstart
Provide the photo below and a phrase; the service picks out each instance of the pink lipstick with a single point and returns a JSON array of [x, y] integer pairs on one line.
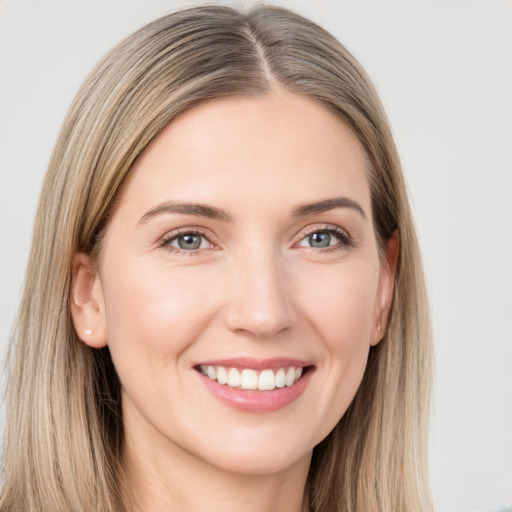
[[255, 385]]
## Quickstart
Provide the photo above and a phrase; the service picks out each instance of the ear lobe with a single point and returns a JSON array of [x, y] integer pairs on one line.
[[385, 288], [86, 302]]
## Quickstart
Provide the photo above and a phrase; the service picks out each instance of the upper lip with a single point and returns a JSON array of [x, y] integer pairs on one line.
[[257, 364]]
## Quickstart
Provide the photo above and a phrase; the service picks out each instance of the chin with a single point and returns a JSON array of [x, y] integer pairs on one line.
[[260, 451], [258, 462]]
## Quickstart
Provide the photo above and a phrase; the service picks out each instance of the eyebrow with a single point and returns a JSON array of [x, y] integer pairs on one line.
[[198, 209], [212, 212], [326, 205]]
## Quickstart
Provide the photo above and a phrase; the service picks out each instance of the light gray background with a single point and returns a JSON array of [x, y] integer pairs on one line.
[[444, 70]]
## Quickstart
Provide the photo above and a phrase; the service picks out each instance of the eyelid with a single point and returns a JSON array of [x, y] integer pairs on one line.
[[346, 239], [165, 240], [343, 234]]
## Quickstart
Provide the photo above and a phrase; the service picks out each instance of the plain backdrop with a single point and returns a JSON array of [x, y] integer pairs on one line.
[[444, 71]]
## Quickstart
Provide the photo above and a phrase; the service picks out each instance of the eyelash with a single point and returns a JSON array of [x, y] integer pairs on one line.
[[345, 239], [174, 235]]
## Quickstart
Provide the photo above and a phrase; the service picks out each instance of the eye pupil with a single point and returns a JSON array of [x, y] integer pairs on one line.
[[320, 240], [189, 241]]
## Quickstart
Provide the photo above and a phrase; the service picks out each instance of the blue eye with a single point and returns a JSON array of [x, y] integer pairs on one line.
[[320, 240], [324, 238], [189, 242]]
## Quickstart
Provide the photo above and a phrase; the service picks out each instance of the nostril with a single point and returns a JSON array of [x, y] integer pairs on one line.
[[259, 324]]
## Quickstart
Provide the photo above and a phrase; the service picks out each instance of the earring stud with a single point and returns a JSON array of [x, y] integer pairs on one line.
[[88, 332]]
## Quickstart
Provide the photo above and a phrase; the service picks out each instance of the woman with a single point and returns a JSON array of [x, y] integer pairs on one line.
[[224, 305]]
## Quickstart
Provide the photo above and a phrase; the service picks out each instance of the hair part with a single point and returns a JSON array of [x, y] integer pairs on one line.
[[64, 435]]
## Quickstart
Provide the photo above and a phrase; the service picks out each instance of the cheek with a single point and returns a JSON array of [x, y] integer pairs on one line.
[[155, 313], [340, 307], [340, 302]]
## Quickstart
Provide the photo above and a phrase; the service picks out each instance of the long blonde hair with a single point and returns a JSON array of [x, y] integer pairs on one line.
[[64, 433]]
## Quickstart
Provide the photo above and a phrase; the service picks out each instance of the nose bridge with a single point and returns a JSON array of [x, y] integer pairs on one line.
[[260, 293]]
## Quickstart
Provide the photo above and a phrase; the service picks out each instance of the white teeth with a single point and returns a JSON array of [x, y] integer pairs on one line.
[[290, 376], [280, 378], [234, 378], [266, 380], [249, 379], [222, 375], [212, 373]]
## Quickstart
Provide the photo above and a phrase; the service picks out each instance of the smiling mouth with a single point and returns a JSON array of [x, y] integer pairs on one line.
[[251, 379]]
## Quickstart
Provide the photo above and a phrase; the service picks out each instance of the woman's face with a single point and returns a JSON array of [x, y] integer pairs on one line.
[[242, 247]]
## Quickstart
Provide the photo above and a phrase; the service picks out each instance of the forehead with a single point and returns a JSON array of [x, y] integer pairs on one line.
[[279, 147]]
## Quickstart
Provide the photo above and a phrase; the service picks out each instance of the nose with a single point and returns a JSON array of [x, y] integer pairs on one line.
[[260, 297]]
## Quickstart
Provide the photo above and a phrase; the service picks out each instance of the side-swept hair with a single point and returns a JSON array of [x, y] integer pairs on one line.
[[64, 433]]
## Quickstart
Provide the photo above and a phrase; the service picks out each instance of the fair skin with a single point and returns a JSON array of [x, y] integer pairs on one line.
[[242, 238]]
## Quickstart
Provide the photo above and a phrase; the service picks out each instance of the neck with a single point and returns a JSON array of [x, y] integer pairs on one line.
[[178, 481]]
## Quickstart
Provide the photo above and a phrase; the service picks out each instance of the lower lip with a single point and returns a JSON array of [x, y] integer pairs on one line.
[[257, 401]]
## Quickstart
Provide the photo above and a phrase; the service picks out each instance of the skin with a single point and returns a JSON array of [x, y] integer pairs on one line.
[[254, 288]]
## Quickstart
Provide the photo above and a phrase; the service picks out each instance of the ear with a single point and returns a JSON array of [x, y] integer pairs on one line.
[[87, 303], [385, 288]]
